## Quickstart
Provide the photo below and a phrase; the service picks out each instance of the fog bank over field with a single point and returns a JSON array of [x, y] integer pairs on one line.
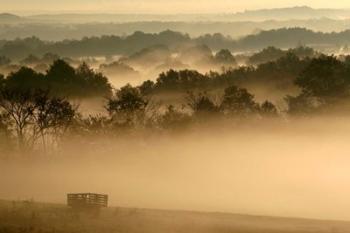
[[298, 169], [244, 113]]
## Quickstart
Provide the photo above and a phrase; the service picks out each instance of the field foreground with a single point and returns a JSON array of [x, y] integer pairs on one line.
[[27, 216]]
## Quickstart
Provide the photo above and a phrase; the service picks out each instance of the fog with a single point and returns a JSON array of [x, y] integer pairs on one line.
[[299, 169]]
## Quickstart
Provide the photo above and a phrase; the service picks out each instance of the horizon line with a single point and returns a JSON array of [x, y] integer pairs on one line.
[[29, 13]]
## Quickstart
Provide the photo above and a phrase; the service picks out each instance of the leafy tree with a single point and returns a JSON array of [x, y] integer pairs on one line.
[[153, 55], [4, 61], [268, 109], [303, 52], [127, 107], [238, 102], [2, 81], [49, 58], [118, 68], [197, 55], [93, 83], [301, 105], [174, 119], [147, 87], [266, 55], [182, 80], [30, 60], [201, 105], [324, 82], [225, 57], [26, 79], [326, 77], [41, 68], [61, 72]]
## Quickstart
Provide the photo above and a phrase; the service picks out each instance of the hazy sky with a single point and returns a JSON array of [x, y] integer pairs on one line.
[[156, 6]]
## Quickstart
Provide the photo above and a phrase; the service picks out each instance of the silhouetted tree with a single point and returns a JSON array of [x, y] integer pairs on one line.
[[174, 119], [201, 105], [268, 109], [96, 84], [49, 58], [26, 79], [30, 60], [93, 125], [5, 134], [303, 52], [266, 55], [51, 117], [225, 57], [127, 107], [182, 80], [33, 114], [326, 77], [147, 87], [198, 54], [301, 105], [238, 102], [19, 106], [118, 69], [4, 61], [2, 81], [62, 77]]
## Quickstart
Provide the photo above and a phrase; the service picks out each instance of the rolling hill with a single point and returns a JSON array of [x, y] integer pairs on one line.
[[30, 217]]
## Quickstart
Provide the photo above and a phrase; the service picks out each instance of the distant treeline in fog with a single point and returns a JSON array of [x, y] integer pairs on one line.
[[237, 29], [125, 45]]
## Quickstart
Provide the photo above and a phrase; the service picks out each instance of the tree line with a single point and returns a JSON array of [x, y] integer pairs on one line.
[[32, 117], [274, 75]]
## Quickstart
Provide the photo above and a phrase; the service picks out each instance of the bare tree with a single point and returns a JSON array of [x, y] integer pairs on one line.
[[36, 115], [19, 106]]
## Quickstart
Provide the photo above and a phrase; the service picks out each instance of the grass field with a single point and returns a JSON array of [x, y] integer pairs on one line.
[[28, 216]]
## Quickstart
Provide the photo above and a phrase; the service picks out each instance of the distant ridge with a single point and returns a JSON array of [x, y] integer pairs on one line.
[[8, 16], [277, 14], [297, 12]]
